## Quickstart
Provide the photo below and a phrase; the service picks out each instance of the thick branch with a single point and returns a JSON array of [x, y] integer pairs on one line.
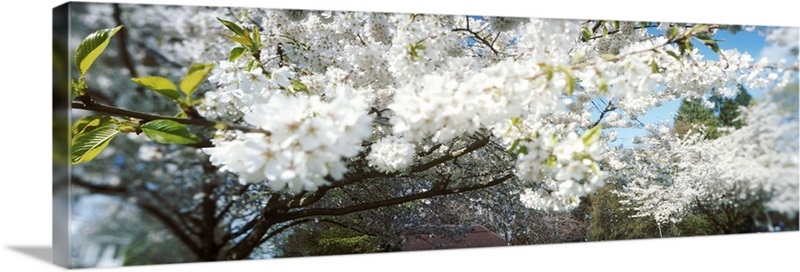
[[390, 202], [209, 226], [267, 218]]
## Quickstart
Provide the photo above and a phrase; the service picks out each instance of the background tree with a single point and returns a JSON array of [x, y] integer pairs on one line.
[[724, 113], [729, 180], [693, 113]]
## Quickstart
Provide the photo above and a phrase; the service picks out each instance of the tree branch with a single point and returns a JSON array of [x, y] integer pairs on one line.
[[158, 55], [228, 206], [165, 219], [282, 229], [174, 228], [101, 108], [389, 202], [97, 188], [609, 108], [304, 201], [477, 37], [615, 31], [209, 225], [252, 223], [455, 154], [123, 46], [190, 224]]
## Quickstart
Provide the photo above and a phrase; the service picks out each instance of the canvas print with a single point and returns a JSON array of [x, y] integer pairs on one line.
[[212, 133]]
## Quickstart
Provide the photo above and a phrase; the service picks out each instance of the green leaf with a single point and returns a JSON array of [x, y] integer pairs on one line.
[[654, 67], [89, 123], [91, 48], [605, 31], [513, 147], [256, 37], [235, 54], [241, 40], [251, 65], [412, 51], [673, 32], [685, 46], [161, 85], [587, 34], [570, 79], [298, 86], [87, 146], [522, 150], [616, 24], [551, 161], [194, 77], [700, 28], [547, 70], [714, 47], [169, 132], [674, 55], [232, 26], [708, 41], [595, 168], [591, 136]]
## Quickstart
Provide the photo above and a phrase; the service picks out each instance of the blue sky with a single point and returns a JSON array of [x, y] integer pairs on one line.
[[752, 42]]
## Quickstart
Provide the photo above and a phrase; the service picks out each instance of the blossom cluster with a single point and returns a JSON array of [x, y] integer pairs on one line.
[[565, 171], [307, 141], [239, 90]]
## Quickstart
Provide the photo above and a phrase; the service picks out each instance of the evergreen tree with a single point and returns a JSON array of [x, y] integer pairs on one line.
[[692, 112], [724, 114]]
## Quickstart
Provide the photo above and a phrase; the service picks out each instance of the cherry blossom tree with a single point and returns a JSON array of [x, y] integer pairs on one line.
[[725, 179], [233, 125]]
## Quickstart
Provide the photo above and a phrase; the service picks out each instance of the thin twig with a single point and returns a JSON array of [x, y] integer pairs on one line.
[[477, 37]]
